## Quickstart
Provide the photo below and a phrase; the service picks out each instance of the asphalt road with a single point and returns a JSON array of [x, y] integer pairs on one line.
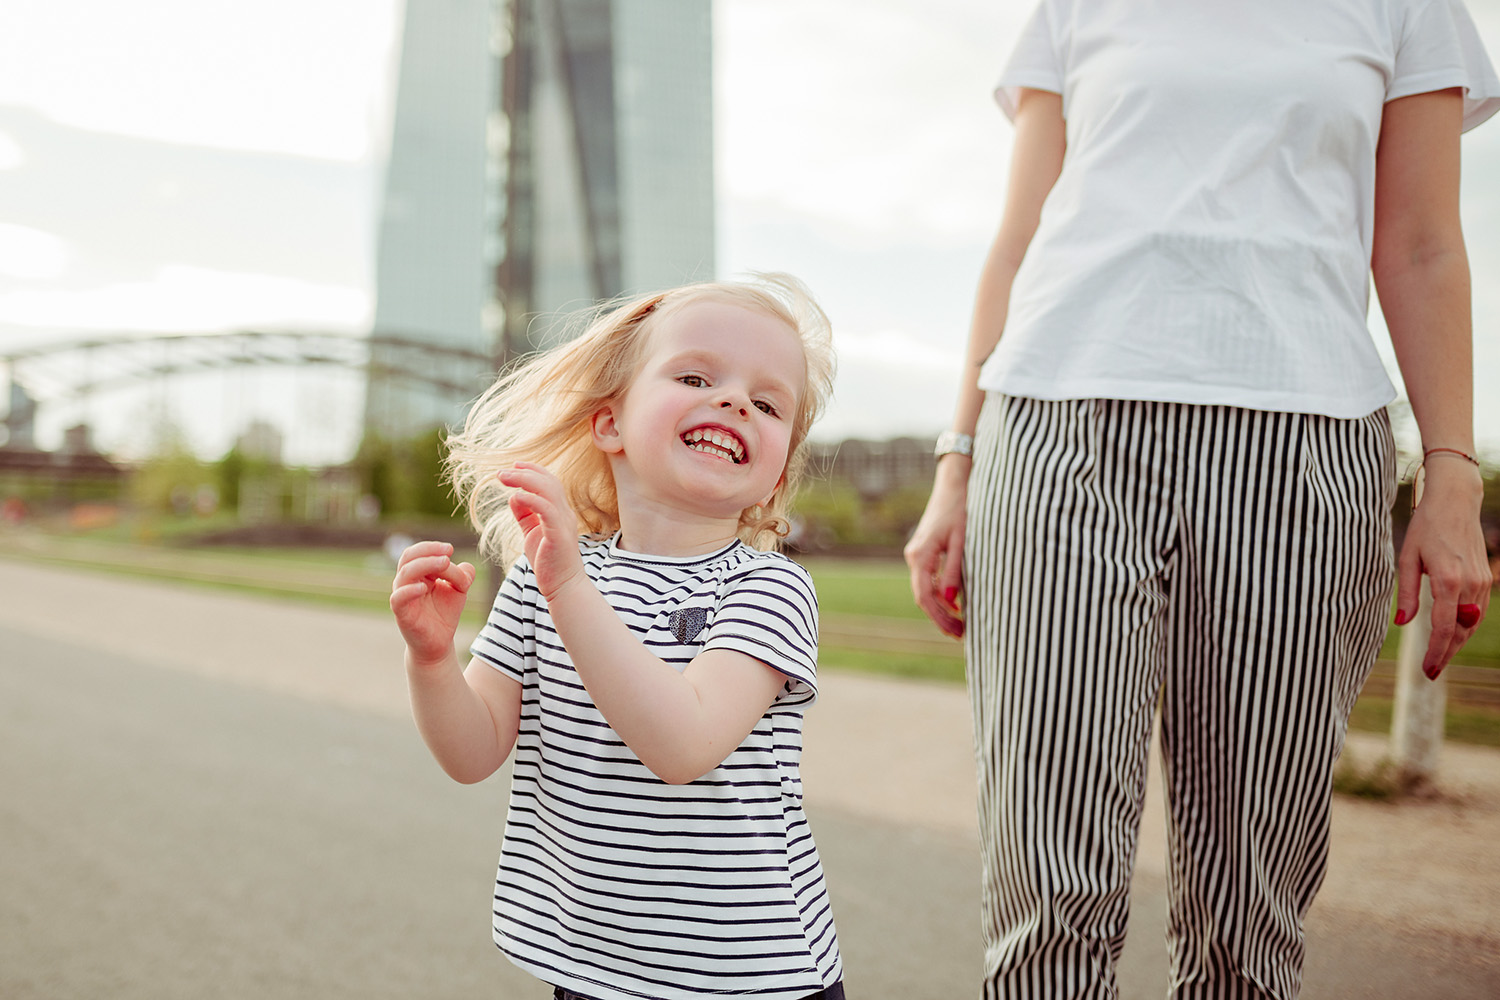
[[174, 834]]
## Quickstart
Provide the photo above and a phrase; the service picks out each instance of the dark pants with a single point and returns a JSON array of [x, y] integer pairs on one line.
[[834, 992]]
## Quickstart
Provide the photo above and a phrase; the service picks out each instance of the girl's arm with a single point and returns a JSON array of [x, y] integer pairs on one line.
[[1421, 273], [681, 725], [935, 552], [468, 719]]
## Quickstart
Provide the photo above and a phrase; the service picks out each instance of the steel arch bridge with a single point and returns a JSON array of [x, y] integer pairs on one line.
[[75, 369]]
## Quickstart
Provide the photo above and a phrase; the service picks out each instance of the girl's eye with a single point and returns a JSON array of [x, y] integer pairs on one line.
[[765, 407], [693, 381]]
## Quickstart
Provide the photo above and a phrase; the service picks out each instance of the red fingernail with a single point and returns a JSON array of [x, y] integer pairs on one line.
[[1432, 672], [950, 594], [1402, 617]]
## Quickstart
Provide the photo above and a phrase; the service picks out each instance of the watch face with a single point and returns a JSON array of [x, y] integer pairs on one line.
[[949, 442]]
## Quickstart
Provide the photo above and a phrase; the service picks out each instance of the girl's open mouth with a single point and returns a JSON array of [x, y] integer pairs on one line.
[[715, 442]]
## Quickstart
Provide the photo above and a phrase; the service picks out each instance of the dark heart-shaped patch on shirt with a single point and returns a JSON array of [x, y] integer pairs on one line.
[[687, 623]]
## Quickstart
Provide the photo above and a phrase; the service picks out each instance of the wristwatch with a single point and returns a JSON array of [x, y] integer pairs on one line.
[[951, 442]]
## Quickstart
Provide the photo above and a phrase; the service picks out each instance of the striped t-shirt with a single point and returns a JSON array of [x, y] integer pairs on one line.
[[619, 886]]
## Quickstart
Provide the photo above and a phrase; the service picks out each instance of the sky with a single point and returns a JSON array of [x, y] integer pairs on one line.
[[196, 165]]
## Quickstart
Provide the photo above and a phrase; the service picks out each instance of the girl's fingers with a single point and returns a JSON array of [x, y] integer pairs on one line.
[[460, 576], [421, 567], [421, 550], [530, 508], [403, 596], [426, 570], [524, 509], [534, 479]]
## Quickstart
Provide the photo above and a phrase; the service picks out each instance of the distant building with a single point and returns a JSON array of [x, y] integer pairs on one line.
[[546, 155], [76, 473], [608, 165], [20, 419], [260, 440], [432, 285], [874, 468]]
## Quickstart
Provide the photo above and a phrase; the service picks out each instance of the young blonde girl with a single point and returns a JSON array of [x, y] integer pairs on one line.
[[648, 657]]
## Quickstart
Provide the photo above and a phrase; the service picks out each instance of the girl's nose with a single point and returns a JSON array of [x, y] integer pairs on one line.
[[743, 409]]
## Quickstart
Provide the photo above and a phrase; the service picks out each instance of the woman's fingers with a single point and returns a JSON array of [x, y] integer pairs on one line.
[[1459, 601], [936, 582], [1408, 587]]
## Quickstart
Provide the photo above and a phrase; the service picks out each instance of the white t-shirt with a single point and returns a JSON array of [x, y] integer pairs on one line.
[[617, 885], [1208, 239]]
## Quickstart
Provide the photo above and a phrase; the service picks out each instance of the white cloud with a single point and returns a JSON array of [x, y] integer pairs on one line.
[[10, 153], [31, 253], [890, 383], [286, 76], [187, 299], [897, 137], [897, 349]]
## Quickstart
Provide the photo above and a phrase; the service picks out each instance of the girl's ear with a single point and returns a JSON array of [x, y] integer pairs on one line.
[[606, 431]]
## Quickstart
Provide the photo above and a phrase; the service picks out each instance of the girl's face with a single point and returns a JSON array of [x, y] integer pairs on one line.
[[706, 426]]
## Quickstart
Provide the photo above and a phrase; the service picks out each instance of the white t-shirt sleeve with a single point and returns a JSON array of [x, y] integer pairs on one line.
[[509, 633], [1034, 62], [769, 611], [1441, 48]]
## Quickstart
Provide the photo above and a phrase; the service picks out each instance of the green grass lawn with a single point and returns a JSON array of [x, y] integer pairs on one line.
[[852, 593], [1482, 649], [878, 587]]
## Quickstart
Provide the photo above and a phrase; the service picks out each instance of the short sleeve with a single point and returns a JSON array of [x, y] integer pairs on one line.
[[768, 610], [509, 634], [1440, 48], [1034, 62]]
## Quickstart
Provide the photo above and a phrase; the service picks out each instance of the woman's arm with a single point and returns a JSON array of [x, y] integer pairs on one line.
[[681, 725], [1421, 273], [935, 552]]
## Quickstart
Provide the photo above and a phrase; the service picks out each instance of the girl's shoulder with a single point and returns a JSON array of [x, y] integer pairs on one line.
[[746, 561]]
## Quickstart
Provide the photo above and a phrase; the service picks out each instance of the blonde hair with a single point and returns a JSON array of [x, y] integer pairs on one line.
[[542, 411]]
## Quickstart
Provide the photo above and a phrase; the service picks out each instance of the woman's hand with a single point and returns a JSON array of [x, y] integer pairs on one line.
[[936, 550], [1445, 541], [427, 598], [548, 525]]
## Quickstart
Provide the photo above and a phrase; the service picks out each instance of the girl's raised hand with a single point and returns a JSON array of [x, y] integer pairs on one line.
[[548, 524], [427, 598]]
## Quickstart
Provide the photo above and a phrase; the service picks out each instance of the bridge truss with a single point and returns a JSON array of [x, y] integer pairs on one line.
[[79, 369]]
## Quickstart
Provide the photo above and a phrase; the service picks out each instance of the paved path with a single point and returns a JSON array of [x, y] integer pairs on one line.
[[206, 795]]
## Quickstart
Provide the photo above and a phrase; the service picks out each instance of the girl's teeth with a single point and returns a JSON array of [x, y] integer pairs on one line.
[[715, 443]]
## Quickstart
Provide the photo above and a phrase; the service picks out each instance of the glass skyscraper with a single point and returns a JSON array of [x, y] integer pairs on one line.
[[545, 155]]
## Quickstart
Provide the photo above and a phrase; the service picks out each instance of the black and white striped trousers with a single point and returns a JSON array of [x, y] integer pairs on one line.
[[1231, 566]]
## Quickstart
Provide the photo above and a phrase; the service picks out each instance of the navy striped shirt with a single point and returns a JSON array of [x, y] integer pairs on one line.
[[613, 883]]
